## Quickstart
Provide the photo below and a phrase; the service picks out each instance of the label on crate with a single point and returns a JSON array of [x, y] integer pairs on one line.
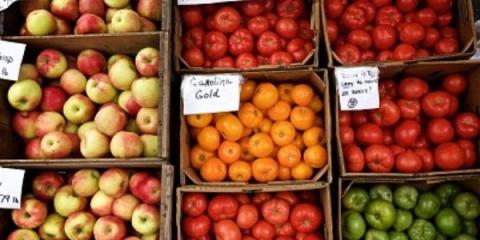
[[4, 4], [211, 93], [11, 56], [196, 2], [11, 182], [357, 87]]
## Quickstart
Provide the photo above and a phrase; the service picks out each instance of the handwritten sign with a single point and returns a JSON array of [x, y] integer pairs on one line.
[[211, 93], [357, 87], [196, 2], [11, 182], [4, 4], [11, 56]]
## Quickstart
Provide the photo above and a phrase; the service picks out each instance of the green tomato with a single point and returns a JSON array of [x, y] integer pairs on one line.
[[356, 199], [467, 205], [422, 230], [403, 220], [374, 234], [405, 197], [470, 227], [381, 191], [380, 214], [464, 237], [448, 222], [353, 225], [394, 235], [427, 206], [446, 192]]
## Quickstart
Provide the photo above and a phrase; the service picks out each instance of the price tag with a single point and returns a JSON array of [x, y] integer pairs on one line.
[[11, 182], [4, 4], [211, 93], [357, 87], [11, 56], [196, 2]]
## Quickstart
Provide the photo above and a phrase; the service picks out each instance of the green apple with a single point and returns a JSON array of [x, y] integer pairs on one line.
[[24, 95], [146, 219], [110, 119], [52, 228], [67, 202], [94, 144], [21, 234], [101, 204], [79, 109], [123, 206], [146, 91], [84, 127], [150, 145], [99, 89], [126, 145], [114, 182], [122, 74], [85, 182], [73, 81], [80, 225], [147, 120], [41, 22], [116, 3], [126, 20]]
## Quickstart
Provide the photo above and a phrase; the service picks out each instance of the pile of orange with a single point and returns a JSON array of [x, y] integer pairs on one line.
[[277, 134]]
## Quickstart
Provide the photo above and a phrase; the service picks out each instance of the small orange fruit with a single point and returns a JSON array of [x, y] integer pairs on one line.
[[245, 154], [247, 132], [273, 154], [280, 111], [249, 115], [229, 152], [240, 171], [265, 126], [284, 91], [266, 95], [302, 118], [302, 172], [199, 156], [289, 156], [284, 174], [217, 116], [264, 169], [230, 127], [283, 133], [199, 120], [299, 142], [247, 90], [260, 145], [314, 135], [302, 94], [316, 104], [208, 138], [213, 170], [315, 156]]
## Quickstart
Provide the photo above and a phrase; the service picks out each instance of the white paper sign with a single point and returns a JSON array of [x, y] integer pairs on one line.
[[196, 2], [11, 56], [357, 87], [211, 93], [11, 182], [4, 4]]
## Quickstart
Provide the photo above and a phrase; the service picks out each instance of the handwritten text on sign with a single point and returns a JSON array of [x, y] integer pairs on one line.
[[11, 56], [4, 4], [357, 87], [211, 93], [11, 181], [196, 2]]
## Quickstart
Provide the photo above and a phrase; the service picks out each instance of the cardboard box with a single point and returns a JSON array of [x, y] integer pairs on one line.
[[430, 71], [323, 191], [463, 21], [163, 171], [311, 62], [317, 80], [11, 145]]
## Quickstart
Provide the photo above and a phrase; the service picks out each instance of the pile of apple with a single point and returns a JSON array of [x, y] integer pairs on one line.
[[88, 106], [58, 17], [111, 205]]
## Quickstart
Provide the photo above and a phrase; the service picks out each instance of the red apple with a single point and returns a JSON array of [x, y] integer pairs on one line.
[[24, 124], [33, 150], [150, 190], [128, 104], [147, 62], [53, 99], [90, 62], [31, 214], [56, 145], [48, 122], [147, 25], [51, 63], [96, 7], [151, 9], [65, 9], [109, 227], [46, 184], [90, 23], [63, 27]]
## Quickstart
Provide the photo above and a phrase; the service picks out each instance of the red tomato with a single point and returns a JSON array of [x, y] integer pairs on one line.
[[432, 36], [290, 197], [268, 43], [409, 109], [284, 230], [397, 149], [281, 58], [436, 103], [333, 8], [422, 53], [247, 216], [313, 236], [196, 227], [422, 141], [407, 132], [287, 27], [263, 60], [210, 24], [470, 152], [227, 230], [258, 25], [360, 38], [381, 3], [390, 88], [379, 158], [354, 17], [408, 162], [384, 55], [426, 17], [347, 136], [387, 136], [367, 55], [306, 218], [444, 19], [248, 238], [341, 40], [386, 115], [467, 125], [412, 88], [208, 63], [224, 62], [354, 158], [259, 198], [246, 61], [454, 83], [344, 118], [194, 204], [308, 196], [191, 16], [388, 15], [446, 46], [407, 5], [276, 211], [404, 52], [252, 8], [412, 33], [222, 206], [194, 57], [227, 19], [290, 8], [368, 7], [241, 41], [428, 164], [211, 9], [272, 20], [369, 133], [215, 45], [359, 118], [409, 17], [193, 38], [348, 53], [242, 198], [299, 49], [263, 230], [449, 32], [449, 156], [440, 130], [268, 5], [305, 32], [440, 6]]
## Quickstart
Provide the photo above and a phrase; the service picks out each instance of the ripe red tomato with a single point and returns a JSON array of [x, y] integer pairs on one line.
[[404, 52], [369, 133], [384, 37], [252, 8], [344, 118], [422, 53], [227, 230], [191, 16], [436, 103], [367, 55], [333, 8], [388, 15], [193, 38], [449, 32], [347, 136], [299, 49], [426, 16], [408, 162], [284, 230], [263, 60], [272, 20], [470, 152], [449, 156], [381, 3], [368, 7], [409, 17], [287, 28], [432, 36], [258, 25], [306, 217], [227, 19], [290, 197], [359, 118], [397, 149], [290, 8], [407, 5], [379, 158], [444, 19], [422, 140], [332, 30], [446, 46], [197, 226], [276, 211], [259, 198], [428, 164], [194, 204], [440, 6], [263, 230], [386, 115], [224, 62], [387, 136], [305, 31], [194, 57], [354, 158], [247, 216], [384, 55], [360, 38], [241, 41], [215, 45], [348, 53], [387, 89], [208, 63], [454, 83], [467, 125], [210, 24], [412, 33], [268, 43], [412, 88], [269, 5], [409, 109], [440, 130], [354, 17], [222, 206], [281, 58], [246, 61], [242, 198], [407, 132]]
